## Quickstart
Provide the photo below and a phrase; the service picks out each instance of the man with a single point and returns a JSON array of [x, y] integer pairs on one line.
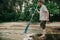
[[44, 17]]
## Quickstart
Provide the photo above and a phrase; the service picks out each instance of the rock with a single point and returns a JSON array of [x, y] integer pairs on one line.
[[37, 37], [28, 37]]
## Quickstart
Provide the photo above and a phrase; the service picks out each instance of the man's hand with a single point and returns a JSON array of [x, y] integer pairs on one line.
[[37, 11], [47, 21]]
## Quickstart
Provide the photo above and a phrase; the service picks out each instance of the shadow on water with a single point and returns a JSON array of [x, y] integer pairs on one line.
[[47, 37], [52, 36]]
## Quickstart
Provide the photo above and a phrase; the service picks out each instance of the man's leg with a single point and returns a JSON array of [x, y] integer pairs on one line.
[[43, 26]]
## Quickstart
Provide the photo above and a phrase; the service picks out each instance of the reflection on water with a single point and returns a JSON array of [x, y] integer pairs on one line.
[[15, 35], [10, 35]]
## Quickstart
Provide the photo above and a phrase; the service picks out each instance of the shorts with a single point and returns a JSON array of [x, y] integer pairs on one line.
[[43, 24]]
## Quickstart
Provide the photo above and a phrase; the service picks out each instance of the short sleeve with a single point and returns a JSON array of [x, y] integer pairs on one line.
[[44, 8]]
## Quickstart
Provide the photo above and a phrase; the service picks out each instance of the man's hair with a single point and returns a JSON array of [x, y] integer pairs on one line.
[[40, 1]]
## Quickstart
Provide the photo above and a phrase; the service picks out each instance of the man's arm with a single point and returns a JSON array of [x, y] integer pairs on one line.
[[38, 11], [47, 14]]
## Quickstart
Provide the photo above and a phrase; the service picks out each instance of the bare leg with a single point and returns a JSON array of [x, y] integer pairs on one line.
[[43, 33], [43, 26]]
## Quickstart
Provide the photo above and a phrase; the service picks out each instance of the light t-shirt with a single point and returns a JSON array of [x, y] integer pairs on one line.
[[43, 10]]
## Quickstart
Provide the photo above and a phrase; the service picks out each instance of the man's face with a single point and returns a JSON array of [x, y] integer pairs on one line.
[[39, 4]]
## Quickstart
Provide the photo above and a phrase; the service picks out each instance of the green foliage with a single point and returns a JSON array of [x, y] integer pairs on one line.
[[53, 9], [8, 10], [29, 10]]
